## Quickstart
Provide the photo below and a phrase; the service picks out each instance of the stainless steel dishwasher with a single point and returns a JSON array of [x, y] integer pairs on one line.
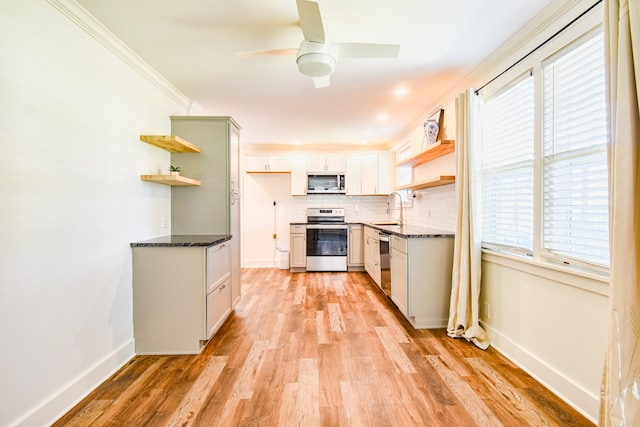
[[385, 265]]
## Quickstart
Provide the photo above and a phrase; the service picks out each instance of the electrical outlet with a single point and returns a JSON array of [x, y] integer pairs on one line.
[[487, 310], [164, 221]]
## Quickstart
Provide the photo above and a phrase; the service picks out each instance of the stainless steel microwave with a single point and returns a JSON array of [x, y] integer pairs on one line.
[[325, 183]]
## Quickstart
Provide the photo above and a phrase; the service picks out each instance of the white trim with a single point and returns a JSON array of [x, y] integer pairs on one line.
[[570, 277], [84, 20], [77, 389], [564, 387]]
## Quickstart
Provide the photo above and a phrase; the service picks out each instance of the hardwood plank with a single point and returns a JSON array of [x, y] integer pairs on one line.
[[193, 402], [322, 349]]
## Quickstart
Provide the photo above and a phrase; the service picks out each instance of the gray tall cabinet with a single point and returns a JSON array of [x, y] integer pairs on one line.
[[214, 206]]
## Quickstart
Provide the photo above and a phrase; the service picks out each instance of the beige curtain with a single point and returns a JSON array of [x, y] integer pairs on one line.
[[465, 286], [620, 397]]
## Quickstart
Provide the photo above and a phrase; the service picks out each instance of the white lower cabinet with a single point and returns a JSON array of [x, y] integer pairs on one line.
[[181, 297], [421, 279], [298, 253], [356, 246], [399, 273], [372, 254]]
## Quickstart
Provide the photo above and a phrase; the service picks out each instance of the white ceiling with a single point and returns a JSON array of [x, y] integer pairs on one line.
[[193, 44]]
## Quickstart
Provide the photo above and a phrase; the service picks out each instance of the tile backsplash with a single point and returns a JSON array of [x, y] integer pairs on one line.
[[434, 208]]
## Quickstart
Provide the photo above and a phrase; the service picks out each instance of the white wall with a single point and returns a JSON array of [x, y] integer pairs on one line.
[[72, 201]]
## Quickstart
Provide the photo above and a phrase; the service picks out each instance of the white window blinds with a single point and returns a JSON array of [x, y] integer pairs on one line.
[[575, 224], [507, 167]]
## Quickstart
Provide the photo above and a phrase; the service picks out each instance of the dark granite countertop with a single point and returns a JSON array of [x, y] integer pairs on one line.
[[412, 231], [183, 240], [407, 232]]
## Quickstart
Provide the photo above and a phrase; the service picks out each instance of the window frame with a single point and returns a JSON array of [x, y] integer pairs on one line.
[[534, 62]]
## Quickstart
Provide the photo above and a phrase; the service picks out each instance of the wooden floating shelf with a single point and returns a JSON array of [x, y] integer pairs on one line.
[[171, 143], [175, 180], [434, 151], [437, 182]]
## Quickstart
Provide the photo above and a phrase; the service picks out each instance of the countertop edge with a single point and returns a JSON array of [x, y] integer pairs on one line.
[[417, 233], [182, 241], [407, 232]]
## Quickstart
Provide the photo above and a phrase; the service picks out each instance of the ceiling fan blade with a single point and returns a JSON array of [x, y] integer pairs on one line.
[[367, 50], [320, 82], [272, 52], [310, 20]]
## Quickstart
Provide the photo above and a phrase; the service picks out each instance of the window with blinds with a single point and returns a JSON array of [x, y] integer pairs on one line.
[[575, 223], [507, 167]]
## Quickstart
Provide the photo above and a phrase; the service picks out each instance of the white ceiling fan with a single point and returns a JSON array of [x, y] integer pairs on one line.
[[316, 57]]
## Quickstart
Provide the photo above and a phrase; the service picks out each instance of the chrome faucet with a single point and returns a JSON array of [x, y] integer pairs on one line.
[[401, 220]]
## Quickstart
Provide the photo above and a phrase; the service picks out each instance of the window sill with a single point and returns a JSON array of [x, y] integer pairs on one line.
[[584, 280]]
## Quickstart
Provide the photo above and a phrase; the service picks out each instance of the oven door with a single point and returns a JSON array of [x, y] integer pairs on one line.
[[327, 247]]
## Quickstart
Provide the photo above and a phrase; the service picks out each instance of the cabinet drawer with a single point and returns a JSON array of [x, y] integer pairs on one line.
[[218, 307], [298, 229], [218, 265], [399, 244]]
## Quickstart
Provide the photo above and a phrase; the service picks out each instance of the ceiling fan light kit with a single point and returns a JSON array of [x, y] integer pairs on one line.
[[316, 59]]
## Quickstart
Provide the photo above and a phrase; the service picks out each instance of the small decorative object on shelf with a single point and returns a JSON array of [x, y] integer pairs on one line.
[[174, 170], [432, 129]]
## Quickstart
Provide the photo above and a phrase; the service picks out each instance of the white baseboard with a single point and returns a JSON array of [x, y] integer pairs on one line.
[[260, 263], [582, 400], [77, 389]]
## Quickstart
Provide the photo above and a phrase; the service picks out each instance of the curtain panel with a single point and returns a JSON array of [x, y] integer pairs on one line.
[[620, 392], [465, 287]]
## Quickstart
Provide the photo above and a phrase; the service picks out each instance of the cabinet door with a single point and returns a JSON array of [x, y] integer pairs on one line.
[[335, 163], [316, 163], [298, 255], [352, 176], [278, 164], [255, 163], [234, 212], [399, 280], [356, 242], [369, 173], [298, 176], [386, 169]]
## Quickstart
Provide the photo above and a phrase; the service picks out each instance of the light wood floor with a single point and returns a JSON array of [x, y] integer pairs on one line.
[[322, 349]]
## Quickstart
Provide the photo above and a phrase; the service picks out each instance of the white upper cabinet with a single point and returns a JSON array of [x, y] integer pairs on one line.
[[353, 175], [329, 163], [267, 163], [377, 173], [298, 176]]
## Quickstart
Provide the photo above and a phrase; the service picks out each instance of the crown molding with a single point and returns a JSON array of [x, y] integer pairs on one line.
[[84, 20]]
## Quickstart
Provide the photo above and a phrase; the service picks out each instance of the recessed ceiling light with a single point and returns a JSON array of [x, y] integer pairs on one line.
[[364, 141], [381, 117], [297, 142], [400, 91]]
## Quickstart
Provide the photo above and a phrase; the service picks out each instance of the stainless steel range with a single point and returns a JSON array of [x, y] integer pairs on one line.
[[327, 236]]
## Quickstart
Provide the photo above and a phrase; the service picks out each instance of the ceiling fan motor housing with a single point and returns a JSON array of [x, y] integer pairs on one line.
[[316, 59]]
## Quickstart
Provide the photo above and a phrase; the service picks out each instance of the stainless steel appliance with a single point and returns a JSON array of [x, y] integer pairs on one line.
[[327, 236], [325, 183], [385, 264]]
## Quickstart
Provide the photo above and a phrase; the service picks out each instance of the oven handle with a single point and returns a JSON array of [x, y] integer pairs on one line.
[[326, 226]]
